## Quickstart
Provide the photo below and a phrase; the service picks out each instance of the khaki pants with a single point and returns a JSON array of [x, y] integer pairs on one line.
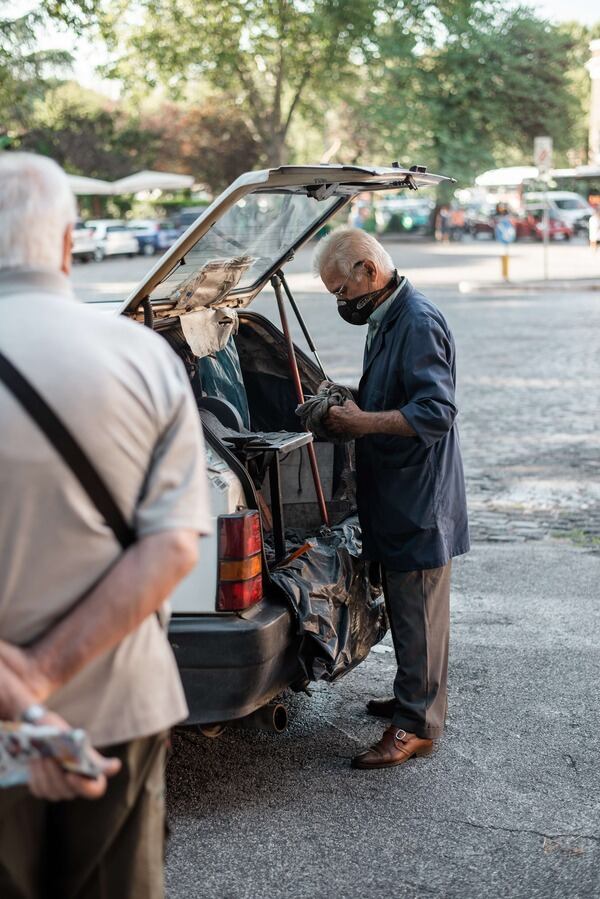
[[111, 848], [418, 604]]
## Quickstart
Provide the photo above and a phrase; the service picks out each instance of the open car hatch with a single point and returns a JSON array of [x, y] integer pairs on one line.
[[231, 251]]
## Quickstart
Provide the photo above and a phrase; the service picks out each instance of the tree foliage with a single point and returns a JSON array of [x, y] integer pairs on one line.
[[279, 58], [88, 135], [458, 85], [474, 99], [211, 142], [25, 70]]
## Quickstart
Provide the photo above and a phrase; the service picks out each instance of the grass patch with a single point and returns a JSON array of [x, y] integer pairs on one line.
[[579, 537]]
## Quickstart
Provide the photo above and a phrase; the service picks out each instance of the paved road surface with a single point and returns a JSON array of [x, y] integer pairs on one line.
[[509, 805]]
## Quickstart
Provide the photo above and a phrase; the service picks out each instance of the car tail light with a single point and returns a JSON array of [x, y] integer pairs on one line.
[[240, 561]]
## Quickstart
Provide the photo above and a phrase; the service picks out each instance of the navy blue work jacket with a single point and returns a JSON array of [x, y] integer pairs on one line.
[[411, 490]]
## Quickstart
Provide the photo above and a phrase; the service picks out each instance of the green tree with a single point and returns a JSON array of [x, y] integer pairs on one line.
[[280, 58], [474, 98], [89, 135], [25, 69], [210, 141]]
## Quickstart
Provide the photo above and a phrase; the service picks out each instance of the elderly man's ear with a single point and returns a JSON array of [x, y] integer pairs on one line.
[[67, 250], [369, 268]]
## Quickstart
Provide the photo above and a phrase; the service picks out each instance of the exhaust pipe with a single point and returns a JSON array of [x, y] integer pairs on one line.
[[272, 717]]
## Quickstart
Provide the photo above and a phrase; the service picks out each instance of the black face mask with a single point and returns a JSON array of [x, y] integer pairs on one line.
[[356, 310]]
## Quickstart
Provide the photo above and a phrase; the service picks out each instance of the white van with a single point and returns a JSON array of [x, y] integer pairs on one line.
[[280, 595]]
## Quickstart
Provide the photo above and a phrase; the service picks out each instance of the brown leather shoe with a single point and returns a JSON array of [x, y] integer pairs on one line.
[[382, 708], [395, 747]]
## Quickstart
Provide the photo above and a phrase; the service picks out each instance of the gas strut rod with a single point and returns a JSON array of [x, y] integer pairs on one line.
[[276, 282], [301, 322]]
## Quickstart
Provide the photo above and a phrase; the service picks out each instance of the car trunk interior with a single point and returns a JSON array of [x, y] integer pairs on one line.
[[247, 388]]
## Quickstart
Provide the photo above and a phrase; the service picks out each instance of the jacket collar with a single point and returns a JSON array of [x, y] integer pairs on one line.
[[393, 312]]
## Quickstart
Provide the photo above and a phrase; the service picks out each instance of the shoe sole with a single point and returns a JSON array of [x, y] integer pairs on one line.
[[420, 753]]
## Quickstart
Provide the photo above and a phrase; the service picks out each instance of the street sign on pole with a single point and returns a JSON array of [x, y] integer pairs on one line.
[[542, 158], [542, 154]]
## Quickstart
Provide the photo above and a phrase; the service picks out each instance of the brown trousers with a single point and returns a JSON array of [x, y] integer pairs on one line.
[[111, 848], [418, 604]]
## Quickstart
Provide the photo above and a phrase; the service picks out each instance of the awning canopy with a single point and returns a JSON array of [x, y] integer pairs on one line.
[[587, 171], [88, 187], [148, 180], [513, 176]]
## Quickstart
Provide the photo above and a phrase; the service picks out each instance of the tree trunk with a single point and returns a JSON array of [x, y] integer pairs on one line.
[[275, 151]]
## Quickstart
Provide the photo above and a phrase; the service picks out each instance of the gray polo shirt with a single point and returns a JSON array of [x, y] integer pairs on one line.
[[126, 397]]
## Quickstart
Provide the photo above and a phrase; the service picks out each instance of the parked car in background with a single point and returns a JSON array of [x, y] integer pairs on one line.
[[84, 246], [187, 217], [153, 236], [531, 224], [112, 238], [406, 214], [480, 221], [567, 206]]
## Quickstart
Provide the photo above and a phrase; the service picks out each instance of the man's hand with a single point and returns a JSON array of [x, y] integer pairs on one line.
[[47, 780], [346, 420], [352, 421]]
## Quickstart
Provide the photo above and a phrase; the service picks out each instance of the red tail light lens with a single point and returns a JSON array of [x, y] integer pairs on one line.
[[240, 561]]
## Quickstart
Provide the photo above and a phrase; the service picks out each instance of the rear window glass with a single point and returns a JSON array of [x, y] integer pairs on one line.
[[113, 228], [246, 242]]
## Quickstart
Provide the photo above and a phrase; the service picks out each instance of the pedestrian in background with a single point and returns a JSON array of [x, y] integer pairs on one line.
[[78, 615], [411, 490], [442, 225], [457, 222]]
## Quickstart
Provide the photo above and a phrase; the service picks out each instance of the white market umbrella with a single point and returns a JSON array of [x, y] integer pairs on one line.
[[513, 176], [88, 187], [148, 180]]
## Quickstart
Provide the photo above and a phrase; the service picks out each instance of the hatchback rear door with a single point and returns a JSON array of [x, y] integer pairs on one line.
[[254, 227]]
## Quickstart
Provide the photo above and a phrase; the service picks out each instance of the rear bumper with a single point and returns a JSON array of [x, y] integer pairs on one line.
[[231, 665]]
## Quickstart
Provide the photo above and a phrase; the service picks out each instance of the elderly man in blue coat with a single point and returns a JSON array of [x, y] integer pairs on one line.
[[411, 490]]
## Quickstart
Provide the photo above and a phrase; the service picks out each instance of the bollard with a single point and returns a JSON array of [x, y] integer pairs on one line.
[[504, 259]]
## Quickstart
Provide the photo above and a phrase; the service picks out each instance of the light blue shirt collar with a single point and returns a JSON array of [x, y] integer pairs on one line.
[[377, 316]]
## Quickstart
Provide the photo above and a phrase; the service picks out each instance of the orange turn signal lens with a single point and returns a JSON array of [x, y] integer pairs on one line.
[[240, 570]]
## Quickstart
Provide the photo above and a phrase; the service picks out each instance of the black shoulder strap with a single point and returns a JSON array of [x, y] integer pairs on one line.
[[66, 446]]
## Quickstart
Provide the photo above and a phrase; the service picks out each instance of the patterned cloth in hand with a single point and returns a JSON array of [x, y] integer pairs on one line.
[[315, 409]]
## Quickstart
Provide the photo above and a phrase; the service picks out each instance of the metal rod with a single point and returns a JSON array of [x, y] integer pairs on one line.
[[546, 227], [302, 323], [312, 456]]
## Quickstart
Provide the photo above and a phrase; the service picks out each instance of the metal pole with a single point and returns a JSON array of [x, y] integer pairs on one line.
[[546, 229], [302, 323], [312, 456]]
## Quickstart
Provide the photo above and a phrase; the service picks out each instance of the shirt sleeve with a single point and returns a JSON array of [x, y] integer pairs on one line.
[[175, 493], [427, 371]]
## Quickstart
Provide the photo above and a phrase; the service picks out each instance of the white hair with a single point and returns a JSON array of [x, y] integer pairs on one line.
[[36, 207], [344, 247]]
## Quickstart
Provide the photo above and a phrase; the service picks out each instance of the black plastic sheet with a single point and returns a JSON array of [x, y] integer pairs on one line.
[[337, 602]]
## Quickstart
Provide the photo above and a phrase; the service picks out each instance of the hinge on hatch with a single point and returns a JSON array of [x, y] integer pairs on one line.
[[322, 192]]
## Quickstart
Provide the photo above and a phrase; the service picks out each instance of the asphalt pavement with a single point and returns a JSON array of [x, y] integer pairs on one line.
[[508, 806]]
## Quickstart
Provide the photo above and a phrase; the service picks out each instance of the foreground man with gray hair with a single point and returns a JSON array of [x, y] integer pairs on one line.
[[81, 641], [411, 492]]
